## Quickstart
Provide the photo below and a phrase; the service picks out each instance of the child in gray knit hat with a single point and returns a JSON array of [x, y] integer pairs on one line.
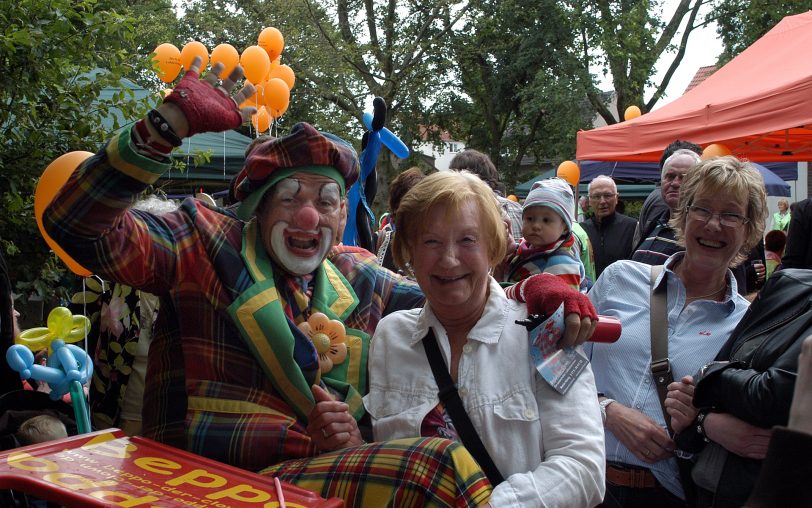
[[548, 245]]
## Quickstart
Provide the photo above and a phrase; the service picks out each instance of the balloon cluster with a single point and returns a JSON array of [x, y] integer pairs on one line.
[[272, 79]]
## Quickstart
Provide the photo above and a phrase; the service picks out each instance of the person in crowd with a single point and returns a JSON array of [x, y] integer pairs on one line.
[[657, 236], [785, 472], [481, 165], [655, 211], [41, 429], [230, 375], [547, 245], [720, 216], [585, 253], [583, 208], [744, 392], [547, 446], [610, 232], [397, 189], [774, 243], [798, 252], [782, 217], [9, 378]]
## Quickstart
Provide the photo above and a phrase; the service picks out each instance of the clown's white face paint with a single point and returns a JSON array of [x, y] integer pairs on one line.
[[298, 221]]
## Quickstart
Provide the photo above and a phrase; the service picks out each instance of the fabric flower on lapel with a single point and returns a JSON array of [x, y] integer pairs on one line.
[[329, 338]]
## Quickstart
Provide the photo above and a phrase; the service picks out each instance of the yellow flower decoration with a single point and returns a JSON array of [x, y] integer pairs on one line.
[[329, 337]]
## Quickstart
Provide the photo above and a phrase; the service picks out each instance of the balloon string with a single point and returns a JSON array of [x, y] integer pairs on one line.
[[224, 155], [87, 346]]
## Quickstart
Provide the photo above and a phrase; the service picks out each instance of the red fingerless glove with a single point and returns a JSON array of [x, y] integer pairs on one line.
[[544, 293], [207, 109]]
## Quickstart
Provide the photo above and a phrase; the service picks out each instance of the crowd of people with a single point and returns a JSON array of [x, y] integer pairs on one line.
[[438, 401]]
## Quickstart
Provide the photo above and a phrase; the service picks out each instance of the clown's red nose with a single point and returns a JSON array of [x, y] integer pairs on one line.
[[307, 218]]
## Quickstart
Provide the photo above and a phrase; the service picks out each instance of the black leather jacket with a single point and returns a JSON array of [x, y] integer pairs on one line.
[[757, 385]]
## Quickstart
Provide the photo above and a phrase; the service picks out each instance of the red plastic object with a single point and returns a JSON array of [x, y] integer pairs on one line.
[[608, 330], [107, 468]]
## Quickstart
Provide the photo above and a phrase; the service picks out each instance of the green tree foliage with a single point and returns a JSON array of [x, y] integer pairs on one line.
[[627, 38], [518, 77], [49, 52], [741, 22]]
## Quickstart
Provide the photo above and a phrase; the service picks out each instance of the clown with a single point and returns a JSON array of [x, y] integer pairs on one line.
[[231, 375]]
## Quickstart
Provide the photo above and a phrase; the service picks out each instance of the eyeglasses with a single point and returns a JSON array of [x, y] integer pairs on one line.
[[727, 219], [607, 196]]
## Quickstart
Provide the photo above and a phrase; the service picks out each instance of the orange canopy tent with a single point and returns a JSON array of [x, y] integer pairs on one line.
[[759, 105]]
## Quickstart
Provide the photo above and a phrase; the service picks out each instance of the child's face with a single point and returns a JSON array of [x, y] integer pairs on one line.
[[541, 225]]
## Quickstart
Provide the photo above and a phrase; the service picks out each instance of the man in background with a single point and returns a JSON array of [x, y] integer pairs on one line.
[[610, 232]]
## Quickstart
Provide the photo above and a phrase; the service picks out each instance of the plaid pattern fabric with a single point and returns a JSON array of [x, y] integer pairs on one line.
[[304, 146], [658, 246], [514, 213], [403, 473], [206, 393]]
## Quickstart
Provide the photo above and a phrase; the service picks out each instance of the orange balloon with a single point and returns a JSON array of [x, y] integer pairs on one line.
[[256, 63], [284, 73], [270, 39], [276, 94], [166, 62], [227, 55], [261, 120], [190, 51], [631, 113], [276, 113], [513, 198], [570, 172], [52, 179], [715, 150]]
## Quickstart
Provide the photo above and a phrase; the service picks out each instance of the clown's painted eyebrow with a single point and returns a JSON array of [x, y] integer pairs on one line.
[[330, 191]]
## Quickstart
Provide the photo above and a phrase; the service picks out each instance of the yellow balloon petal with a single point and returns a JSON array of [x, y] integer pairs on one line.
[[336, 331], [318, 321]]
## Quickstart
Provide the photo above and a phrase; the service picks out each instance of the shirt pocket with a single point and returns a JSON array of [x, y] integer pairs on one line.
[[519, 406], [397, 415]]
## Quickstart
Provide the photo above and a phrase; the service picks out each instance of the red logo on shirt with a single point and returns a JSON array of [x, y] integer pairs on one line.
[[705, 333]]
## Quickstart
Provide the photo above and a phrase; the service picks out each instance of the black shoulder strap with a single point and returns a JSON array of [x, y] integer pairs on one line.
[[453, 405]]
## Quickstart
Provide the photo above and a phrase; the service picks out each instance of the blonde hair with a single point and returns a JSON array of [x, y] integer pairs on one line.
[[40, 429], [452, 189], [725, 174]]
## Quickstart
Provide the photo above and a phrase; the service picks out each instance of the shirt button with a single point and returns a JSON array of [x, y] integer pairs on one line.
[[463, 392], [467, 348], [529, 413], [638, 406], [648, 381]]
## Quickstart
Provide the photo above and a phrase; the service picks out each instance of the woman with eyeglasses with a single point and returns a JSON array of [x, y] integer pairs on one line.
[[719, 218]]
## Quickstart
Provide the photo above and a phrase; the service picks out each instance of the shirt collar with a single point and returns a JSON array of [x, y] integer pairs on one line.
[[732, 286], [488, 328]]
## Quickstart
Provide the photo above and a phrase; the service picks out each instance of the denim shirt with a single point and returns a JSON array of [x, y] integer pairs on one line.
[[549, 447]]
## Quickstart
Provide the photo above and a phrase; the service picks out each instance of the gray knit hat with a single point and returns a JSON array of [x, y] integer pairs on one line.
[[556, 194]]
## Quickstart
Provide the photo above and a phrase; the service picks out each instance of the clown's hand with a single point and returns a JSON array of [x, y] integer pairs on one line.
[[199, 105], [545, 292]]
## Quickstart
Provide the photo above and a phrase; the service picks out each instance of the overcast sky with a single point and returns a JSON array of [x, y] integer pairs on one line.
[[704, 46]]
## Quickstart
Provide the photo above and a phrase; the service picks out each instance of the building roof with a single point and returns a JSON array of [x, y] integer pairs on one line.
[[701, 75]]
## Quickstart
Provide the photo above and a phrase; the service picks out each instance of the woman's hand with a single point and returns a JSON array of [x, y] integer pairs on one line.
[[199, 105], [679, 404], [640, 434], [330, 425], [737, 436]]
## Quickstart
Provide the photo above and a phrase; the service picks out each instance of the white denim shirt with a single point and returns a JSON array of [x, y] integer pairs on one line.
[[548, 447]]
